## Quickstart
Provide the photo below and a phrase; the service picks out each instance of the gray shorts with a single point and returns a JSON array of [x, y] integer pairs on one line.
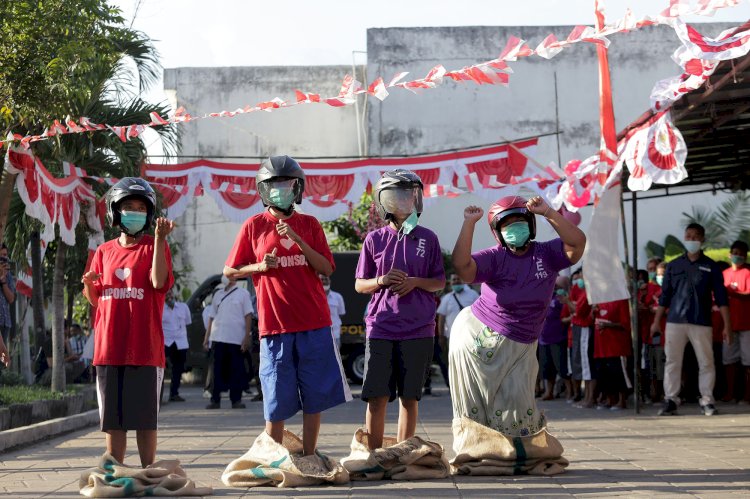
[[738, 349], [396, 368], [128, 396], [582, 354]]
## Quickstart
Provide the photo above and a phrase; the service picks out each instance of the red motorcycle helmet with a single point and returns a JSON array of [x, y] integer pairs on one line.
[[505, 207]]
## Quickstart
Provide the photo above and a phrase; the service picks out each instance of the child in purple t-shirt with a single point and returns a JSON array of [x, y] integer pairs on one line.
[[401, 265], [493, 365]]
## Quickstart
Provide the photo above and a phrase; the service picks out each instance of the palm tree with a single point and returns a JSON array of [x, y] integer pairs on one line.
[[725, 224], [113, 100]]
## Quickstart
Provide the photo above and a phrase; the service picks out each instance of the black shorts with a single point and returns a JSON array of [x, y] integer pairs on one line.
[[128, 396], [554, 360], [396, 368]]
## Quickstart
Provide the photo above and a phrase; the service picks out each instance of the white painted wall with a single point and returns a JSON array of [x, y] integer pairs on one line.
[[455, 115]]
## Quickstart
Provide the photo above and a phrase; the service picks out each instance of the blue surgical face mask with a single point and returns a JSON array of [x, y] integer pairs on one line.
[[560, 292], [516, 234], [579, 282], [457, 288], [659, 280], [281, 197], [737, 259], [651, 276], [133, 221], [410, 223], [692, 246]]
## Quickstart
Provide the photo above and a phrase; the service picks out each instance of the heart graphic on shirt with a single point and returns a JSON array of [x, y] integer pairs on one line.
[[602, 312], [122, 274], [287, 243]]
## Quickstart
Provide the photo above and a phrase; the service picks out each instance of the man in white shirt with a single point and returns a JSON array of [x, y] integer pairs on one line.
[[337, 307], [230, 333], [460, 297], [174, 321]]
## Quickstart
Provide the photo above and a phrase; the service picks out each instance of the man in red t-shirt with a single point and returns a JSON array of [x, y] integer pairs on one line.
[[737, 282], [126, 283], [284, 252], [612, 347], [583, 339]]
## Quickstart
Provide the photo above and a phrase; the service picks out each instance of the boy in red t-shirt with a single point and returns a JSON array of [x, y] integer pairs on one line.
[[284, 252], [582, 355], [612, 347], [126, 283], [737, 282]]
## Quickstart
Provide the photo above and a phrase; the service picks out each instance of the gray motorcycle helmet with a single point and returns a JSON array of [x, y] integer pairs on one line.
[[396, 179], [130, 187], [279, 168]]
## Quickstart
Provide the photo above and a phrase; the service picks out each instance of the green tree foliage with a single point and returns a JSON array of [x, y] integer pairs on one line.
[[347, 233], [725, 224]]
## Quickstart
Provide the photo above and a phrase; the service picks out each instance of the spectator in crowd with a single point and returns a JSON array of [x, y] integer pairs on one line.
[[127, 281], [4, 355], [229, 333], [648, 301], [175, 319], [612, 347], [656, 357], [553, 342], [582, 324], [252, 354], [336, 306], [691, 284], [437, 357], [75, 343], [7, 294], [208, 386], [651, 266], [401, 266], [459, 297], [737, 282]]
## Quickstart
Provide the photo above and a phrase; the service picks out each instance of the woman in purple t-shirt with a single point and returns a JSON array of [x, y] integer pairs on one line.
[[493, 343]]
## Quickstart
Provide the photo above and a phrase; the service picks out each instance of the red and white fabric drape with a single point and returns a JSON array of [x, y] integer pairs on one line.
[[330, 187]]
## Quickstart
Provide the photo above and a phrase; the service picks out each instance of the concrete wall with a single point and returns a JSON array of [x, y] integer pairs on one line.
[[464, 114], [308, 130]]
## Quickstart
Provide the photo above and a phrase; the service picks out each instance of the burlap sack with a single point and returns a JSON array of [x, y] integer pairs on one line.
[[412, 459], [271, 464], [113, 479], [483, 451]]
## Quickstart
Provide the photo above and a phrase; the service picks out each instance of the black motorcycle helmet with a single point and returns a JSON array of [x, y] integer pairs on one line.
[[280, 168], [397, 179], [130, 187]]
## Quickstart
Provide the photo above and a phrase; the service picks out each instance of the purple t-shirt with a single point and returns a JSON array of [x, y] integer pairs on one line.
[[516, 290], [553, 330], [418, 254]]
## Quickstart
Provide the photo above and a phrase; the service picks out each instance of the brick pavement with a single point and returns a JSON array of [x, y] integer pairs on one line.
[[611, 453]]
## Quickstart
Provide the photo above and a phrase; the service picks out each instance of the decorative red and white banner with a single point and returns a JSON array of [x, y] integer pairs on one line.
[[330, 187], [54, 201]]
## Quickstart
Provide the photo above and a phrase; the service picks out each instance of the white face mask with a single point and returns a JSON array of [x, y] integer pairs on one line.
[[692, 246], [225, 280], [326, 288]]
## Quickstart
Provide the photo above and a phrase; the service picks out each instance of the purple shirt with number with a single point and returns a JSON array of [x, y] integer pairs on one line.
[[411, 316], [516, 290]]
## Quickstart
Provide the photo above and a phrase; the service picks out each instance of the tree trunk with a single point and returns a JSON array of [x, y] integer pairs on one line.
[[26, 367], [6, 192], [37, 296], [71, 298], [58, 319]]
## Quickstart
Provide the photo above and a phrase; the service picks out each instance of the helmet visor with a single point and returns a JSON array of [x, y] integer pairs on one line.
[[279, 192], [401, 202]]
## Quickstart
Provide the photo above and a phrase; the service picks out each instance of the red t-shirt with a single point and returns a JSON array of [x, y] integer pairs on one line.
[[290, 297], [648, 298], [582, 314], [564, 314], [129, 310], [610, 341], [738, 281]]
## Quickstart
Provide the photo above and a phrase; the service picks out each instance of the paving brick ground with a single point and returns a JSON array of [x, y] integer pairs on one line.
[[611, 453]]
